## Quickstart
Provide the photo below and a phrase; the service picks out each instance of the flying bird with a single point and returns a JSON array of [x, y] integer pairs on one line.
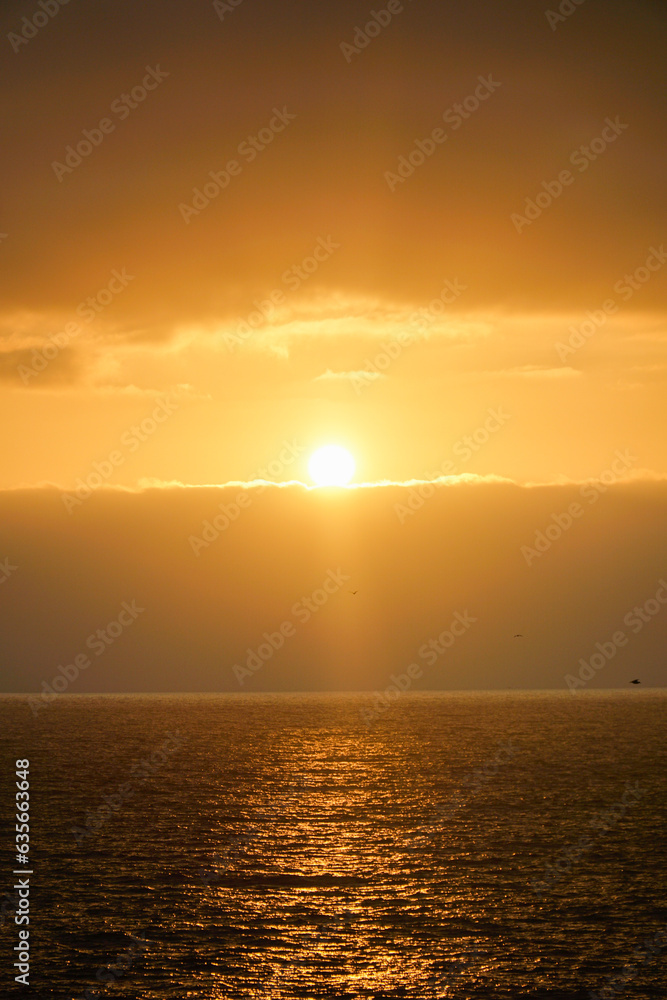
[[519, 636], [353, 591], [635, 682]]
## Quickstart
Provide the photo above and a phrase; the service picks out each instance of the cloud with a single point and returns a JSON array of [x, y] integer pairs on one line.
[[534, 371], [18, 368], [217, 573], [183, 391], [330, 376]]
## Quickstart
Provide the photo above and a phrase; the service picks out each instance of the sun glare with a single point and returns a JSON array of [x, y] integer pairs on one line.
[[331, 466]]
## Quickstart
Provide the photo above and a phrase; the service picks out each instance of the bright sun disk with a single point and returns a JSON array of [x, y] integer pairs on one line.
[[331, 466]]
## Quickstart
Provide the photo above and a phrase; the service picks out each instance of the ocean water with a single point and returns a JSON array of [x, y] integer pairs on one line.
[[461, 846]]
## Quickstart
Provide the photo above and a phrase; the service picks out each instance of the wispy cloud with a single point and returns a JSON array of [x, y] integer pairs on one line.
[[331, 376]]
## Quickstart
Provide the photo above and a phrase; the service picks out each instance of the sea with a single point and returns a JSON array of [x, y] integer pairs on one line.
[[445, 845]]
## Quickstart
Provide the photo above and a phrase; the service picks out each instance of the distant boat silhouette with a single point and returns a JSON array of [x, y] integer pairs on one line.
[[635, 682]]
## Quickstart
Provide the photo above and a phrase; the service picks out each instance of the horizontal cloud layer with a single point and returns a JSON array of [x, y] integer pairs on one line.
[[220, 571]]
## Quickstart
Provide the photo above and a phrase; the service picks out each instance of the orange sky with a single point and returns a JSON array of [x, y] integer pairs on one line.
[[444, 250]]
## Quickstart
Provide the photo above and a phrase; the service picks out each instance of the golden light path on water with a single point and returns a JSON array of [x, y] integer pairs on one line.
[[300, 845]]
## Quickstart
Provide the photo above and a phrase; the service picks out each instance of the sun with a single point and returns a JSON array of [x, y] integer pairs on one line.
[[331, 466]]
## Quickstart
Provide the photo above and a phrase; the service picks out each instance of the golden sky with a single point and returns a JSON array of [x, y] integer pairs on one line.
[[231, 233]]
